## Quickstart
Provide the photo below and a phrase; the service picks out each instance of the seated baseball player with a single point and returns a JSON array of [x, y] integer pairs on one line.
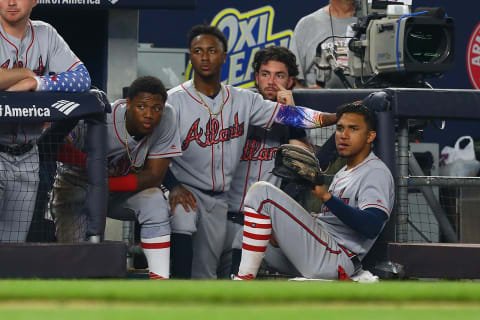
[[141, 140], [331, 243]]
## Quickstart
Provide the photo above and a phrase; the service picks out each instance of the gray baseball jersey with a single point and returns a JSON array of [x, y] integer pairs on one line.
[[213, 138], [368, 185], [43, 51], [164, 142], [212, 145], [317, 247], [309, 32]]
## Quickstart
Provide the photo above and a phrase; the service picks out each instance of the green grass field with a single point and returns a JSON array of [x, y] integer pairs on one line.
[[130, 299]]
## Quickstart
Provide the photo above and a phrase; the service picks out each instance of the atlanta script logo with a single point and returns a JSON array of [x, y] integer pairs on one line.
[[253, 151], [212, 133]]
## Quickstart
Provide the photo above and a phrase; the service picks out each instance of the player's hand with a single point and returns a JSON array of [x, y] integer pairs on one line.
[[284, 96], [27, 84], [322, 193], [181, 195]]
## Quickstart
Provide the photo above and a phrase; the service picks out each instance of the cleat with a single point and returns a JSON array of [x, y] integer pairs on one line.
[[246, 277], [154, 276]]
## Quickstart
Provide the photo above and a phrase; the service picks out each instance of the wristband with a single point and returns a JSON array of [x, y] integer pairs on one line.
[[123, 184]]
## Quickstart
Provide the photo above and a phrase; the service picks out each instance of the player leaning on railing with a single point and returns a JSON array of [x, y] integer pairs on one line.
[[141, 139], [30, 51]]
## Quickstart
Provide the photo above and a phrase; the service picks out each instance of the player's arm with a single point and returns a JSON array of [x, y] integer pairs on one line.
[[302, 117], [178, 194], [151, 176], [10, 77], [76, 80], [368, 222]]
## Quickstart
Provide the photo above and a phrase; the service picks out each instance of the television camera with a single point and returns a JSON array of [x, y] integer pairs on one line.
[[391, 46]]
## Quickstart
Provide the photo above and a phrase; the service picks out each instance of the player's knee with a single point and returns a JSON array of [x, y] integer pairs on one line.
[[259, 192], [184, 222], [154, 208]]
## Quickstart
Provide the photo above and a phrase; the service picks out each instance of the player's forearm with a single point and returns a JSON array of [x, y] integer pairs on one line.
[[147, 179], [76, 80], [9, 77], [368, 222], [301, 117]]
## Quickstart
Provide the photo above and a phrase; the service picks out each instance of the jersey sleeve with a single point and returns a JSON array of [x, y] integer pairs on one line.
[[376, 191], [61, 57], [263, 112], [166, 137]]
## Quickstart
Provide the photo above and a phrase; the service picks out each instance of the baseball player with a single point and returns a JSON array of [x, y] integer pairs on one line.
[[355, 208], [275, 70], [30, 51], [213, 119], [141, 140]]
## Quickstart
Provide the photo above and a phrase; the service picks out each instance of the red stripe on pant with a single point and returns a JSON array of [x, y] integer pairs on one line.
[[161, 245]]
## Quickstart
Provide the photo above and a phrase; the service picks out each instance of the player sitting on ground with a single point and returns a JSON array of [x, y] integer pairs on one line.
[[356, 207], [141, 139]]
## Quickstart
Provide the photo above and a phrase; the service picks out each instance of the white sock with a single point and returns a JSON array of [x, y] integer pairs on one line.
[[257, 229], [157, 252]]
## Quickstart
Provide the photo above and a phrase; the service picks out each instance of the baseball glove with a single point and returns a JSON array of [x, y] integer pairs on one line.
[[298, 164]]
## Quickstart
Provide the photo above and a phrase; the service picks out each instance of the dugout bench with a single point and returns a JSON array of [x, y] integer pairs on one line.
[[393, 255]]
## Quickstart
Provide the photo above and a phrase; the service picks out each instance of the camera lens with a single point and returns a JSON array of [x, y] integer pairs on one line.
[[426, 44]]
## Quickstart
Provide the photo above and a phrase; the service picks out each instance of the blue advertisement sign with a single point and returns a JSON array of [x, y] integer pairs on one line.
[[246, 32]]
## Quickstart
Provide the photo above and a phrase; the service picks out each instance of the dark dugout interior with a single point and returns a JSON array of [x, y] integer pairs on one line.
[[86, 32]]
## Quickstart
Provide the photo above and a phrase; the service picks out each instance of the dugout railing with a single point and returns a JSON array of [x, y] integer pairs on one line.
[[422, 238], [39, 255]]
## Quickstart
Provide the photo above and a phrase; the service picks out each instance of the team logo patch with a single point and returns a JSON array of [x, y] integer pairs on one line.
[[473, 57]]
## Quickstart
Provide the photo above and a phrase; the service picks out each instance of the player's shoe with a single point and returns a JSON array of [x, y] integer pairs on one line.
[[154, 276], [246, 277]]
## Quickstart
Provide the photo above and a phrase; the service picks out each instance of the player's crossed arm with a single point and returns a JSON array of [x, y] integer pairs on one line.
[[20, 79]]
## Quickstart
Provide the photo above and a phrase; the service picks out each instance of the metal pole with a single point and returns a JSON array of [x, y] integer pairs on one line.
[[401, 211]]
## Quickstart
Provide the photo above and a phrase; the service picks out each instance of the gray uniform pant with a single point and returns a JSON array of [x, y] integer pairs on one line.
[[19, 178], [303, 241], [149, 207], [208, 227]]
